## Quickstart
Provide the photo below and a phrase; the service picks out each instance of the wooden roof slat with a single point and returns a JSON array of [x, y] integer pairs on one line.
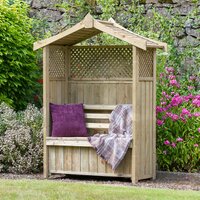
[[141, 43], [90, 27], [164, 45]]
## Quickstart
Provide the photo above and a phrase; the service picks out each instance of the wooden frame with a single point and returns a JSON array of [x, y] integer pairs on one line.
[[100, 94]]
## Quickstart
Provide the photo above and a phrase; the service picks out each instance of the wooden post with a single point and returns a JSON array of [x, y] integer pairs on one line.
[[154, 115], [136, 117], [46, 108]]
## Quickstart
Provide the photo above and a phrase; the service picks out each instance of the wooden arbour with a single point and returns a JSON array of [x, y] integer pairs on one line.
[[100, 77]]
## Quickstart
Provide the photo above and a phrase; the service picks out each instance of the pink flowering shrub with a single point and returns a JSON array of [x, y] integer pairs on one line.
[[21, 149], [178, 122]]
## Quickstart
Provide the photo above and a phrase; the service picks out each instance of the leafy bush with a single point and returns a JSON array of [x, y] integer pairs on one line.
[[18, 70], [21, 140], [178, 122]]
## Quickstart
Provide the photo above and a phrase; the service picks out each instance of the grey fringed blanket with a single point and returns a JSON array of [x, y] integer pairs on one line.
[[113, 146]]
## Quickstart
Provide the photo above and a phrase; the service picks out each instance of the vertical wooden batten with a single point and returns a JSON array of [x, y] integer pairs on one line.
[[136, 116], [154, 115], [46, 115], [67, 71]]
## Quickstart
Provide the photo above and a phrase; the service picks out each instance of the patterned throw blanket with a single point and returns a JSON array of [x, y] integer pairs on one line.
[[113, 146]]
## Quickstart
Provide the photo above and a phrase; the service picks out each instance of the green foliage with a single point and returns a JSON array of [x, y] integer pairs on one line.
[[21, 149], [18, 70], [178, 122]]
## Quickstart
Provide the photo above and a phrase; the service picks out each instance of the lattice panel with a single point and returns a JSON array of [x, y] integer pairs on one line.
[[56, 62], [146, 63], [101, 62]]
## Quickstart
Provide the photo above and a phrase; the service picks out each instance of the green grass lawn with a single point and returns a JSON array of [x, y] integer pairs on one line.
[[44, 189]]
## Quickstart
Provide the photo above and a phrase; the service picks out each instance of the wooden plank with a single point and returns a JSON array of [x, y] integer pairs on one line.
[[112, 93], [97, 116], [68, 158], [109, 169], [87, 94], [46, 114], [138, 42], [61, 35], [100, 47], [100, 80], [147, 129], [90, 173], [88, 21], [104, 94], [127, 162], [52, 158], [97, 125], [136, 117], [143, 129], [154, 115], [150, 79], [59, 158], [121, 97], [84, 159], [99, 107], [73, 93], [76, 159], [161, 44], [101, 165], [63, 92], [93, 161], [97, 94], [67, 73], [80, 95], [69, 141], [58, 92], [128, 93], [151, 129]]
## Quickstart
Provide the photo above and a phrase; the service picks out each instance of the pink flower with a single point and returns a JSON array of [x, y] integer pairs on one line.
[[176, 100], [173, 144], [174, 117], [163, 103], [158, 109], [196, 102], [163, 93], [185, 111], [159, 122], [192, 78], [169, 69], [199, 130], [165, 152], [196, 114], [179, 139], [172, 77], [167, 142], [161, 75], [183, 119], [173, 82], [196, 145], [172, 93], [190, 87]]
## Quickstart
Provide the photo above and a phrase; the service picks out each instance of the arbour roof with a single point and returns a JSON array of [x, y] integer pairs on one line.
[[90, 27]]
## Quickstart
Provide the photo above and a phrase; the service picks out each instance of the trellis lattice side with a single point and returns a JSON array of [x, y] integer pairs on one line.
[[57, 62], [101, 62], [146, 63]]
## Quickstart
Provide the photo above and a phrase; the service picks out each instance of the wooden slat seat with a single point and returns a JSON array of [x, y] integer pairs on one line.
[[83, 141]]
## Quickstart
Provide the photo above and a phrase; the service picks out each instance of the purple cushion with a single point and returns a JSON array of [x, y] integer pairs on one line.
[[68, 120]]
